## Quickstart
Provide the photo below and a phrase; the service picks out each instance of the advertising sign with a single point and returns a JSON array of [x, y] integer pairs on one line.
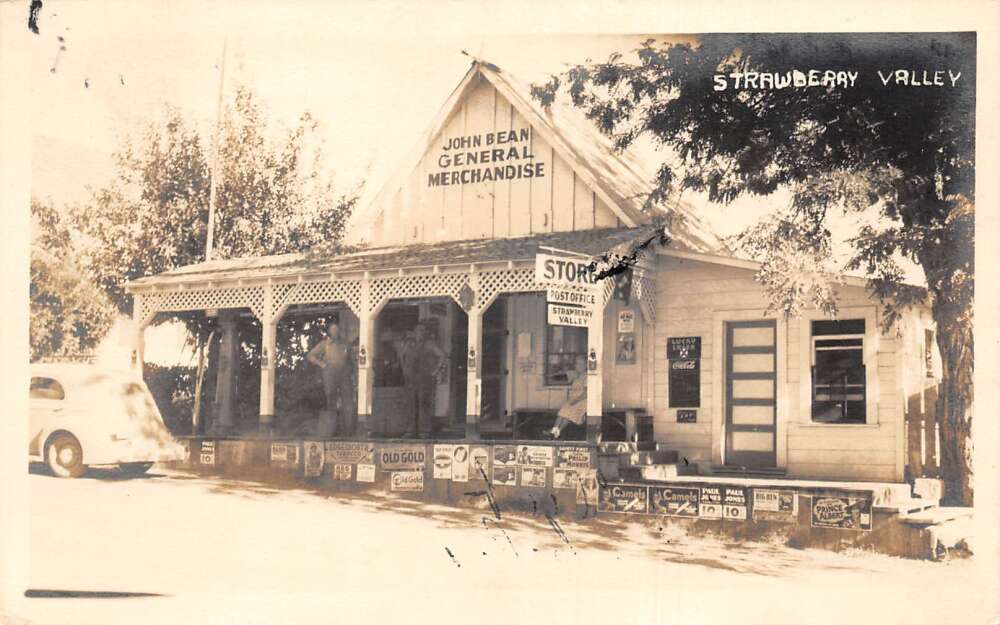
[[624, 498], [535, 456], [407, 481], [578, 457], [395, 457], [560, 315], [479, 462], [674, 500], [683, 347], [710, 506], [366, 473], [207, 455], [626, 321], [781, 506], [313, 453], [734, 503], [442, 461], [565, 478], [845, 512], [349, 452], [504, 455], [533, 476], [460, 463], [586, 486], [687, 416], [505, 476], [342, 471], [571, 271], [284, 452], [684, 383]]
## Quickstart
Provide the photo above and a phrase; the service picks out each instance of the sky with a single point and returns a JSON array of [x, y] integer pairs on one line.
[[373, 73]]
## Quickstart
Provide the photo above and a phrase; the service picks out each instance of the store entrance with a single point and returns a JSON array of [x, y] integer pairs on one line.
[[751, 398]]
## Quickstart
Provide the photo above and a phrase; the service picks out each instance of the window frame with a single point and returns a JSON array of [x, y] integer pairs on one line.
[[546, 383], [813, 348], [870, 358]]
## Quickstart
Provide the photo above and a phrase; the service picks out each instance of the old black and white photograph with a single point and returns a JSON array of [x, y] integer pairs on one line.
[[498, 312]]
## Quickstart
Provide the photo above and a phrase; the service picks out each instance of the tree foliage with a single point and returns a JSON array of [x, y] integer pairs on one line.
[[69, 314], [903, 151], [273, 196]]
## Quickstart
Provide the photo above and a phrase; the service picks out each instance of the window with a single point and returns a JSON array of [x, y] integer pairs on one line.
[[45, 388], [838, 371], [929, 353], [393, 326], [564, 347]]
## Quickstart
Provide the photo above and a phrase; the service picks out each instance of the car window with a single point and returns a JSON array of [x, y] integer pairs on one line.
[[46, 388]]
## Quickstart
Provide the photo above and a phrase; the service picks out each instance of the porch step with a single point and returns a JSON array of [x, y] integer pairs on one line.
[[748, 471], [660, 472], [646, 458], [625, 447], [907, 507]]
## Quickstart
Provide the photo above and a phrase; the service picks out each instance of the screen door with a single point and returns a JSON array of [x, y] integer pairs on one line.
[[751, 393]]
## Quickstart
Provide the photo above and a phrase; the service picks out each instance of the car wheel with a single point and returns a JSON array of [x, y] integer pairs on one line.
[[65, 456], [135, 468]]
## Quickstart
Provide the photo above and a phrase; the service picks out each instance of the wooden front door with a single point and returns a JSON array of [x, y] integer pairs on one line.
[[751, 393]]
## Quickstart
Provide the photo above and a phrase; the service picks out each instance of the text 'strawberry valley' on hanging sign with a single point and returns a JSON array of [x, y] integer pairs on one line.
[[502, 155]]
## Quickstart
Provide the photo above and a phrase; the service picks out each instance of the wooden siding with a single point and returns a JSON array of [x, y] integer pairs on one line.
[[690, 297], [558, 201]]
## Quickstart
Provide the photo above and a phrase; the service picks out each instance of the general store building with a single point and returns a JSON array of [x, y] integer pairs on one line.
[[681, 351]]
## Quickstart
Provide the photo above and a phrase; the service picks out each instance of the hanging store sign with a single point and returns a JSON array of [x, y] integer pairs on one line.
[[584, 299], [674, 501], [844, 512], [564, 271], [572, 316], [624, 498], [394, 457]]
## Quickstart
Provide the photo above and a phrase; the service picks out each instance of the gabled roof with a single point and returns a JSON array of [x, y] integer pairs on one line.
[[587, 242], [617, 177]]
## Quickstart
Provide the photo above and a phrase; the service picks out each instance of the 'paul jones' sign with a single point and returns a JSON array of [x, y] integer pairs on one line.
[[501, 155]]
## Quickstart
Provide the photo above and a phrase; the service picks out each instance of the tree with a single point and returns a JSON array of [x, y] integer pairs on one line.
[[875, 144], [274, 196], [69, 314]]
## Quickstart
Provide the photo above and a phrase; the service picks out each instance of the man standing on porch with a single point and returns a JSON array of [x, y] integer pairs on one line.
[[331, 355], [422, 359]]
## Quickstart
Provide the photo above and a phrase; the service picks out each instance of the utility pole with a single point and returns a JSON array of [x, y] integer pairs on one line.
[[213, 174]]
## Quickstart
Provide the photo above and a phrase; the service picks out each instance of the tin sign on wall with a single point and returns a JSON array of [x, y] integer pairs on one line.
[[395, 457], [734, 503], [624, 498], [407, 481], [710, 506], [843, 512], [780, 506], [679, 501], [207, 455]]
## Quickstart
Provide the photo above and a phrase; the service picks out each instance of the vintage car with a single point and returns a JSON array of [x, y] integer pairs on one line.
[[84, 414]]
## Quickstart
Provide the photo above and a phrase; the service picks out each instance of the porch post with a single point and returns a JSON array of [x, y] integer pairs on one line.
[[268, 355], [139, 330], [225, 387], [595, 372], [474, 359], [366, 339], [473, 388]]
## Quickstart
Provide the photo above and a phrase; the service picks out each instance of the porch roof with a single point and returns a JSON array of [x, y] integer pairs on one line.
[[589, 242]]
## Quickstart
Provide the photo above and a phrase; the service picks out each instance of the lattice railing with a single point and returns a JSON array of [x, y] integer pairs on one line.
[[644, 292], [347, 291], [148, 304], [423, 285]]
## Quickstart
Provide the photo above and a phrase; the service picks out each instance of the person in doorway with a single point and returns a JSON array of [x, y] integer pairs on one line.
[[332, 356], [574, 410], [421, 359]]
